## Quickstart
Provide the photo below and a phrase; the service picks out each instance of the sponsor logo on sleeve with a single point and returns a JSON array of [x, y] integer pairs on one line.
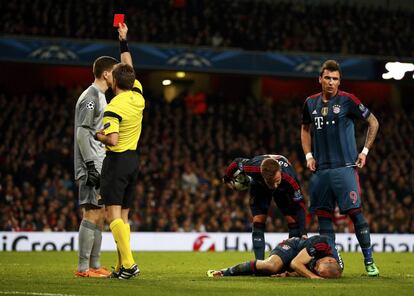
[[364, 110], [298, 196], [312, 251], [286, 247], [90, 105]]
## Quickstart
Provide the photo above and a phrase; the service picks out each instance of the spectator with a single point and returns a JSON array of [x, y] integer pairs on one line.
[[256, 25], [37, 192]]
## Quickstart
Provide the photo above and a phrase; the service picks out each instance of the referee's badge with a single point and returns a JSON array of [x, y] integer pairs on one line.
[[324, 111]]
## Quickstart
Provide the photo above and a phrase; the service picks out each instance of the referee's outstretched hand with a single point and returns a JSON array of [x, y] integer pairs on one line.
[[93, 178], [123, 31]]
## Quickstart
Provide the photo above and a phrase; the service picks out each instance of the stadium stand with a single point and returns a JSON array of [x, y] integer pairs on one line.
[[334, 27], [182, 158]]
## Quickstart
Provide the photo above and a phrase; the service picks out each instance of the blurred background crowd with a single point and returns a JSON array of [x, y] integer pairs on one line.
[[186, 144], [301, 26], [183, 156]]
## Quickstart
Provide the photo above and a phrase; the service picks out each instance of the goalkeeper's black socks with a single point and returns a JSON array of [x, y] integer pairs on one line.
[[246, 268]]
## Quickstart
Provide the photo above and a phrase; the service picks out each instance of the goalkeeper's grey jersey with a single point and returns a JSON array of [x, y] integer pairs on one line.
[[88, 119]]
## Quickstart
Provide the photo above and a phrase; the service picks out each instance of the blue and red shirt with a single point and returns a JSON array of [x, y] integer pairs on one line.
[[317, 246], [288, 189], [320, 246], [251, 167], [334, 143]]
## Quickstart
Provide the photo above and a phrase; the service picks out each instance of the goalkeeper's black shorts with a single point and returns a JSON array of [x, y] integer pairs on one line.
[[119, 178]]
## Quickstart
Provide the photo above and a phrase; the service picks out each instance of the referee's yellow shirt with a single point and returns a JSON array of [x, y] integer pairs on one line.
[[123, 115]]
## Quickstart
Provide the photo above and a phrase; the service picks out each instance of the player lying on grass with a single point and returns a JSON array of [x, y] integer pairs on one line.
[[314, 258]]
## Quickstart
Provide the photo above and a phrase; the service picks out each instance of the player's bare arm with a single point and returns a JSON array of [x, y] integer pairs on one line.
[[109, 140], [286, 274], [306, 140], [373, 126], [126, 57], [372, 131], [298, 264]]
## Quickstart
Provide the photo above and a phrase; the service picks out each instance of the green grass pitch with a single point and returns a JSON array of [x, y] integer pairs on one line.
[[184, 273]]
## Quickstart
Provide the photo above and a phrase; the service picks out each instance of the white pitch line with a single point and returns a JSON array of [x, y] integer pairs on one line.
[[34, 293], [15, 264]]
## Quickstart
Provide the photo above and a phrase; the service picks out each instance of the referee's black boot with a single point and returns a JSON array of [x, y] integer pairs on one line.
[[127, 273]]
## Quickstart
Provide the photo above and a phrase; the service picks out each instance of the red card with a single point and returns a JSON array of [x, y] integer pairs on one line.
[[118, 18]]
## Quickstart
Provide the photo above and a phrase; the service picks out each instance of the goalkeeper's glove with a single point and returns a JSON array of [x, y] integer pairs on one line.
[[93, 178], [227, 179]]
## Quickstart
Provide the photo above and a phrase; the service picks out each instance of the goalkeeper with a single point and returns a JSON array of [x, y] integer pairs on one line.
[[89, 154], [269, 177], [88, 158]]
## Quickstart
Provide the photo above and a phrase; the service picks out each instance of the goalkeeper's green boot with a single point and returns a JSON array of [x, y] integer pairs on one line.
[[372, 269]]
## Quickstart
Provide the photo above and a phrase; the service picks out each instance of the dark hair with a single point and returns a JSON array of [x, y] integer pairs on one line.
[[268, 168], [103, 64], [330, 65], [124, 75]]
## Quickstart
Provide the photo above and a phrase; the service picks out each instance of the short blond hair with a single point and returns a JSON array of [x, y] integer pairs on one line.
[[330, 269], [269, 168]]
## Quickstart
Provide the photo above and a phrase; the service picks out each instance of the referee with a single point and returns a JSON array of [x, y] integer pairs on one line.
[[122, 128]]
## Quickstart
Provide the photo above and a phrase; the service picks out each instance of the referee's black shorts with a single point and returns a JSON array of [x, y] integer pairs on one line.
[[119, 177]]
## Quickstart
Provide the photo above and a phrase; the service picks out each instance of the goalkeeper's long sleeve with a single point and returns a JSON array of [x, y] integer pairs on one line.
[[84, 137]]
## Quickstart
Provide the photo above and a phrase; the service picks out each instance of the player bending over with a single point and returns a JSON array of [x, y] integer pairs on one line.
[[269, 177]]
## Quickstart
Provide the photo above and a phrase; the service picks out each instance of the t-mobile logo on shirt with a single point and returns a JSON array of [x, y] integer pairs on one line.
[[318, 122]]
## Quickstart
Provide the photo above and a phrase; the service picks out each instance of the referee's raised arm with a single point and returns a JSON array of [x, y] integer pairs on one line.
[[122, 121], [126, 57]]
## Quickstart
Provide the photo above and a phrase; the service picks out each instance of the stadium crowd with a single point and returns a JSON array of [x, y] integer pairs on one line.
[[335, 27], [182, 159]]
